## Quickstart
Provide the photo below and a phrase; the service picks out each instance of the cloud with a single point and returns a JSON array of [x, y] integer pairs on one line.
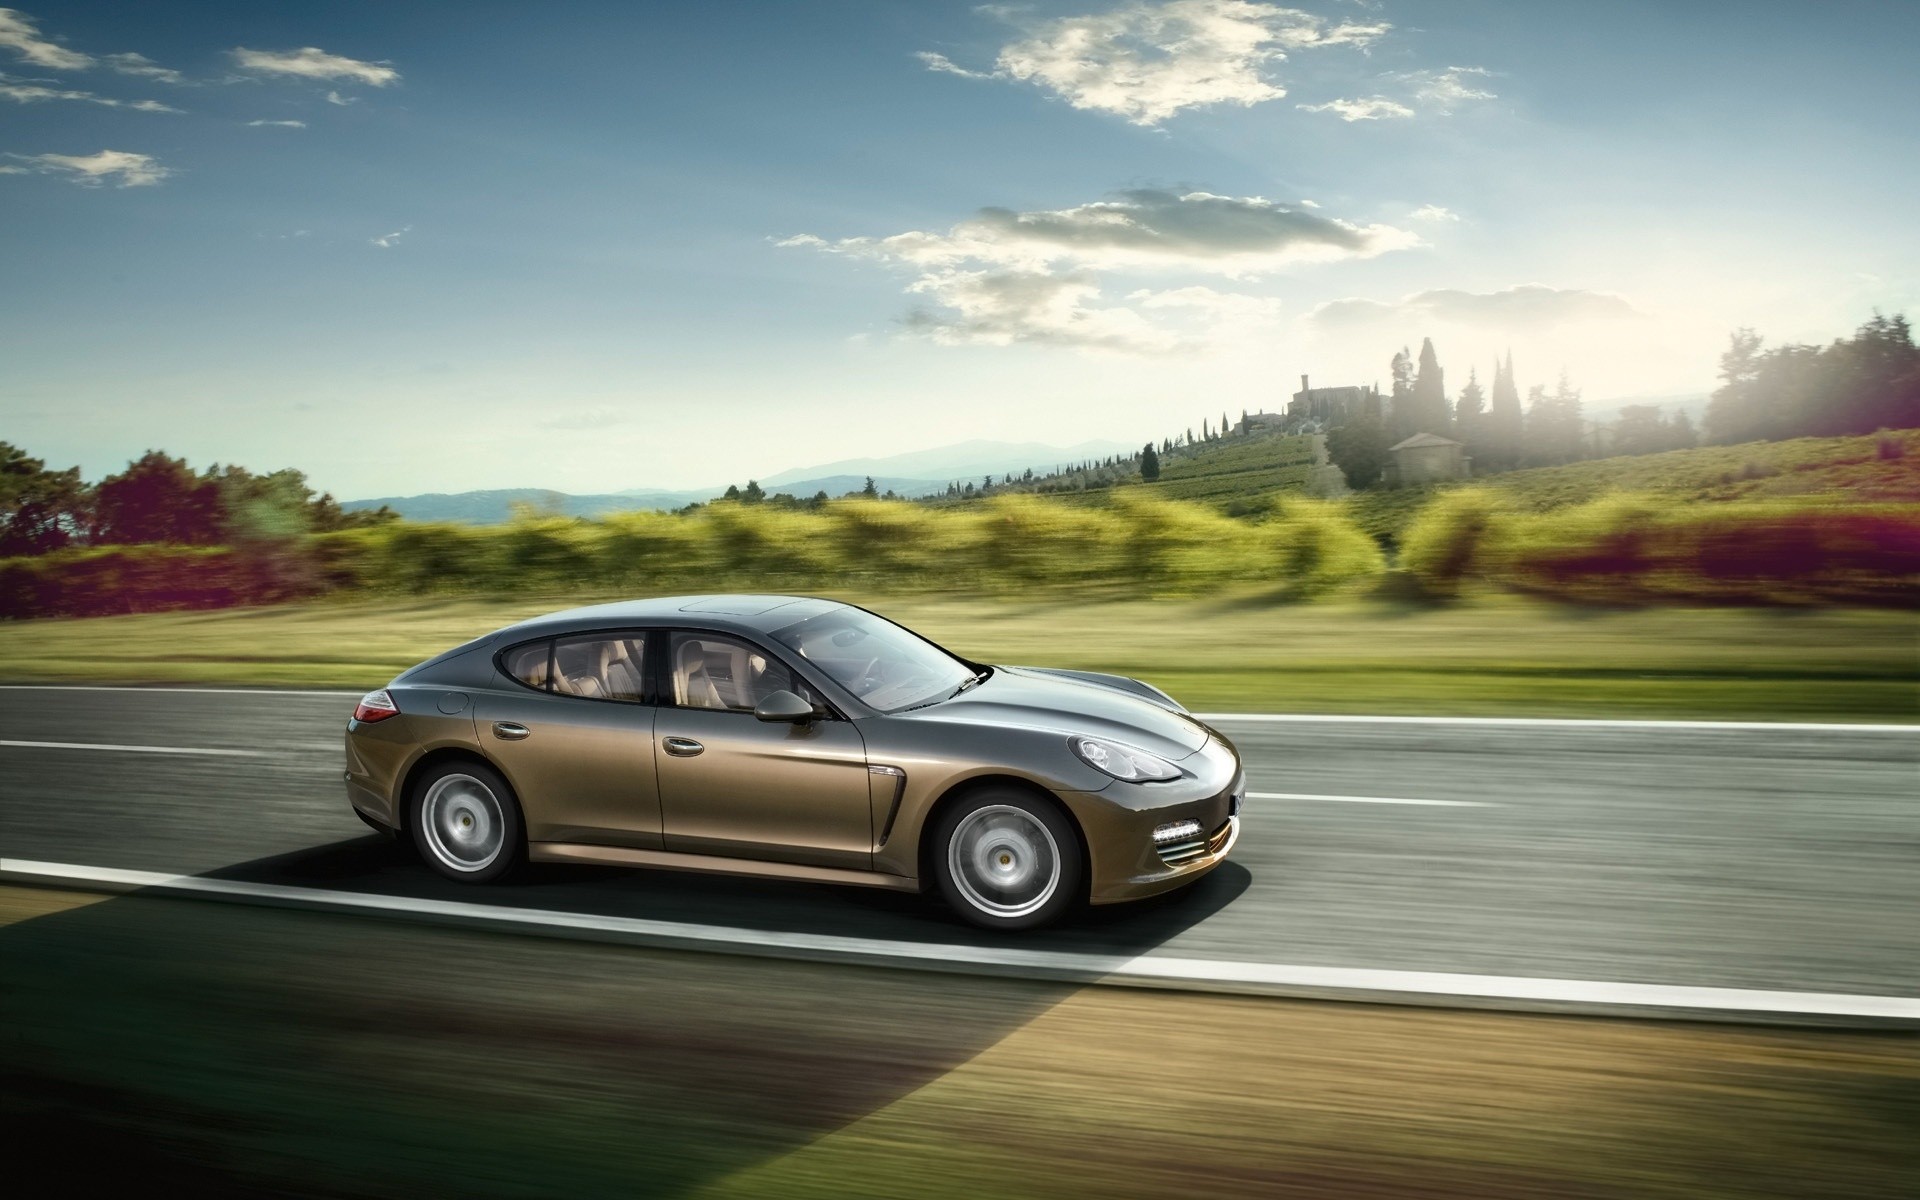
[[1141, 228], [33, 92], [388, 241], [1446, 90], [277, 124], [1433, 212], [19, 34], [1003, 276], [1371, 108], [119, 167], [1528, 307], [140, 64], [1147, 62], [342, 101], [311, 62]]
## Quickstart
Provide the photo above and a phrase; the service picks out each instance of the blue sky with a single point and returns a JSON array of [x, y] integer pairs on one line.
[[594, 247]]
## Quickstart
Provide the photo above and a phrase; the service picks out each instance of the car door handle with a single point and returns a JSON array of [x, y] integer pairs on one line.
[[681, 747], [510, 731]]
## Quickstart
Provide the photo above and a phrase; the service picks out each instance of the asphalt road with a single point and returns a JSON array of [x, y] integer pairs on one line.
[[1770, 859]]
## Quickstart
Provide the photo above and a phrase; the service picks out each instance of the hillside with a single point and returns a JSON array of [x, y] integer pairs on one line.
[[1232, 470], [1850, 469]]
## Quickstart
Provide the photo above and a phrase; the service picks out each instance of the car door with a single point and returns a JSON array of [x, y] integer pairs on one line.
[[733, 785], [572, 726]]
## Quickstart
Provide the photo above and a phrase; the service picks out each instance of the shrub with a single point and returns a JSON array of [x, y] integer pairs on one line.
[[1446, 544], [1316, 548]]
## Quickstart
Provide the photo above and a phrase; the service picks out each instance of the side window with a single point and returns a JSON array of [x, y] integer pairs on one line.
[[529, 663], [712, 671], [601, 666]]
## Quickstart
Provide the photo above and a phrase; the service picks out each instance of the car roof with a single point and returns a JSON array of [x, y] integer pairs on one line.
[[746, 613]]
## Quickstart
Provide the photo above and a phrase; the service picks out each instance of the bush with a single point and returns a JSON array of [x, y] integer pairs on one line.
[[103, 580], [1447, 542], [1316, 548]]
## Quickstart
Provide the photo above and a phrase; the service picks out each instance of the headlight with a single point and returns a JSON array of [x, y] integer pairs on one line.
[[1122, 762]]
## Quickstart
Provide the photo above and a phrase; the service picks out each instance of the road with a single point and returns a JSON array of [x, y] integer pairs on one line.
[[1735, 857], [253, 1050]]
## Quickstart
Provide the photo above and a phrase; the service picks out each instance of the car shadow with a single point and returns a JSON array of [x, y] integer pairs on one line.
[[385, 866]]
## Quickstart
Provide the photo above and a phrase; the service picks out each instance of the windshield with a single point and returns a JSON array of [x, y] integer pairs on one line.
[[878, 661]]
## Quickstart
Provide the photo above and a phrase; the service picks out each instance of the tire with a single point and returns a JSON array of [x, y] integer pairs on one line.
[[466, 823], [1007, 860]]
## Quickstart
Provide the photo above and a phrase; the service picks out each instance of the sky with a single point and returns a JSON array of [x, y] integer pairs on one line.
[[593, 247]]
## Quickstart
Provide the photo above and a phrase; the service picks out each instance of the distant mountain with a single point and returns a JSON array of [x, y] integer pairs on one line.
[[921, 473], [961, 461]]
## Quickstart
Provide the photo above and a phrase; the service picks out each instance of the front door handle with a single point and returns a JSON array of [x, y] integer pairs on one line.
[[509, 731], [681, 747]]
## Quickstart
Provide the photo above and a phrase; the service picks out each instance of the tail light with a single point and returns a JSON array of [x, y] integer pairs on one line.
[[375, 706]]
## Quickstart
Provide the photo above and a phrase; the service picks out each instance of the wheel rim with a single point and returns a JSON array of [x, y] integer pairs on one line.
[[465, 826], [1004, 861]]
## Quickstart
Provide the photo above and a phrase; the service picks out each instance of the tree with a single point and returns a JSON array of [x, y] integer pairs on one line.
[[1855, 385], [1501, 431], [1149, 464], [40, 510], [1359, 449], [1470, 413], [732, 492], [1430, 412], [1554, 430], [754, 493], [1681, 434], [870, 491], [1640, 430], [157, 499]]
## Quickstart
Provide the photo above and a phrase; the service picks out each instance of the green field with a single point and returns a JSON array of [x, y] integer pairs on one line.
[[1847, 470], [1229, 653]]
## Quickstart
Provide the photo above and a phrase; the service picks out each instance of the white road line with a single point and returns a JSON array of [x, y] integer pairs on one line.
[[206, 750], [1549, 722], [1146, 970], [1368, 799]]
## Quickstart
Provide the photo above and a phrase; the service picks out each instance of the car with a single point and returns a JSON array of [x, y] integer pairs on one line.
[[798, 738]]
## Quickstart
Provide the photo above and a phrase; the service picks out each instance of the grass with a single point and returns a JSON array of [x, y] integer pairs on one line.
[[1228, 653]]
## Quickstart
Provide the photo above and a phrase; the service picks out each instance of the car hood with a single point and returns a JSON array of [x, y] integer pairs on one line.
[[1016, 696]]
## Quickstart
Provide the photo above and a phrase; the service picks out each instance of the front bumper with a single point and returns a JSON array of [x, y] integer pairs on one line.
[[1124, 861]]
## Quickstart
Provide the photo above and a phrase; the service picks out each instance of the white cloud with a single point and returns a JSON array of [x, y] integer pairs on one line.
[[1004, 276], [388, 241], [342, 101], [140, 64], [1527, 307], [22, 91], [277, 124], [19, 34], [119, 167], [940, 62], [1147, 62], [1370, 108], [1447, 90], [1433, 212], [311, 62]]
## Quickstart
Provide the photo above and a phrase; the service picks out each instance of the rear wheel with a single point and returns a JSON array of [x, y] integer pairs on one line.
[[466, 823], [1005, 859]]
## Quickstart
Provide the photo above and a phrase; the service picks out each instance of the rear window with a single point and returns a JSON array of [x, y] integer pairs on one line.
[[530, 664]]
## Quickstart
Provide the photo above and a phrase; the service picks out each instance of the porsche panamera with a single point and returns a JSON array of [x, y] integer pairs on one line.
[[797, 738]]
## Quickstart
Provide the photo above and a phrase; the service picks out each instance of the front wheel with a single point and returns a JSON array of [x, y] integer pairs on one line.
[[465, 823], [1008, 860]]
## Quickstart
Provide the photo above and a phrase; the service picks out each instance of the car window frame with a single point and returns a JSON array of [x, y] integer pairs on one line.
[[649, 651], [663, 679]]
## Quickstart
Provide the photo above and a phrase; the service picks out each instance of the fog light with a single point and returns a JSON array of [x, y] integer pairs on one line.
[[1177, 831]]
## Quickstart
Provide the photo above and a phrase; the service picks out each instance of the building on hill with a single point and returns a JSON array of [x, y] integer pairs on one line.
[[1330, 406], [1262, 422], [1424, 458]]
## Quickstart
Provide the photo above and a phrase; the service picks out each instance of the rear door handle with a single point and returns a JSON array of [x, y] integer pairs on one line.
[[509, 731], [681, 747]]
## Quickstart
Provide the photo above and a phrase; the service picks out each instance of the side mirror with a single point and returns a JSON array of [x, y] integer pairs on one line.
[[784, 706]]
